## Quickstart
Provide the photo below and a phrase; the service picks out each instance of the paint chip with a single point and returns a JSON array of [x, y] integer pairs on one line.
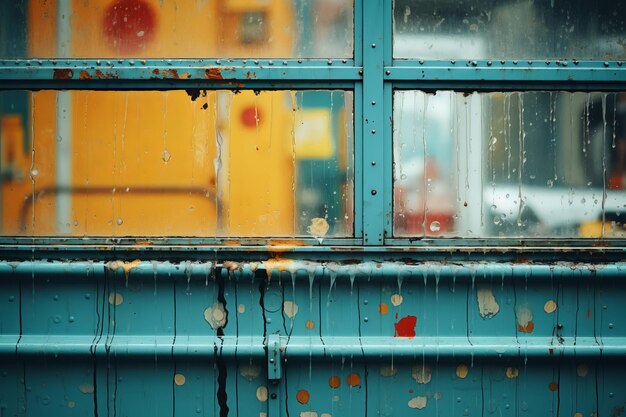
[[396, 300], [488, 306], [462, 371], [388, 370], [261, 393], [215, 315], [241, 308], [310, 324], [383, 308], [582, 370], [354, 380], [86, 388], [553, 386], [249, 371], [308, 414], [549, 307], [524, 319], [512, 373], [418, 402], [318, 227], [326, 415], [115, 298], [334, 381], [179, 379], [422, 374], [71, 404], [578, 415], [303, 396], [405, 327], [290, 308]]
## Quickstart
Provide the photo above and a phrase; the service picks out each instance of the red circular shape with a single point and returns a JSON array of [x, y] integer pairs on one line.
[[129, 25], [250, 116]]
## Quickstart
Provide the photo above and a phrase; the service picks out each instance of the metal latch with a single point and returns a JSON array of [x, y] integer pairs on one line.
[[273, 357]]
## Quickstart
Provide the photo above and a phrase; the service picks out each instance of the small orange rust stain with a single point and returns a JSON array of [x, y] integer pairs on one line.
[[231, 265], [213, 74], [166, 73], [303, 396], [102, 75], [588, 315], [232, 243], [310, 324], [84, 75], [63, 74], [279, 264], [411, 391], [553, 386], [530, 326], [354, 380], [383, 308], [334, 381]]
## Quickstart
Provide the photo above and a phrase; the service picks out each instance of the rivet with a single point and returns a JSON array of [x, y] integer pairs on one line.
[[373, 131], [452, 61], [71, 319], [143, 62], [218, 62], [365, 319], [271, 360], [98, 62], [611, 395], [366, 302], [344, 61], [285, 62], [474, 63], [270, 62], [373, 45], [547, 62], [109, 63], [373, 103], [299, 61], [619, 63], [119, 61], [388, 72], [514, 62], [575, 62], [489, 63], [610, 325], [374, 192], [268, 320], [559, 326], [502, 61], [373, 163], [11, 298], [421, 62], [273, 396], [530, 62], [256, 62], [360, 72], [329, 62], [55, 298], [606, 64], [131, 62], [564, 63]]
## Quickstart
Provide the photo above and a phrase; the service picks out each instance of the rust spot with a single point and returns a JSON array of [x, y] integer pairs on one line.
[[84, 75], [383, 308], [310, 324], [588, 314], [303, 396], [103, 75], [334, 381], [213, 74], [528, 328], [553, 386], [411, 391], [166, 73], [406, 327], [248, 75], [63, 74], [354, 380]]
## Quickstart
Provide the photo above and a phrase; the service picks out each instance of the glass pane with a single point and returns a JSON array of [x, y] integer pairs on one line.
[[177, 163], [518, 164], [519, 29], [176, 29]]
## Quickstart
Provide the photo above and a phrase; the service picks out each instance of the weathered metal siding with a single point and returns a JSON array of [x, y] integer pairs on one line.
[[364, 338]]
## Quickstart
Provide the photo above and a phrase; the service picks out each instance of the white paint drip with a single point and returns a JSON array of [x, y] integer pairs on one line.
[[215, 315], [422, 374], [487, 303], [290, 308]]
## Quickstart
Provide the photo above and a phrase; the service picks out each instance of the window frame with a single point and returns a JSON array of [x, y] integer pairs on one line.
[[372, 74]]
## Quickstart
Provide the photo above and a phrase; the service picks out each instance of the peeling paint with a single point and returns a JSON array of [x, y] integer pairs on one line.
[[418, 402], [86, 388], [524, 319], [334, 381], [383, 308], [405, 327], [549, 307], [396, 300], [388, 370], [354, 380], [422, 374], [487, 303], [249, 371], [125, 266], [303, 396], [62, 73], [278, 264], [318, 227], [84, 75], [179, 379], [213, 74], [582, 370], [310, 324], [241, 308], [115, 298], [290, 308], [166, 73], [462, 371], [512, 373], [215, 315], [261, 393]]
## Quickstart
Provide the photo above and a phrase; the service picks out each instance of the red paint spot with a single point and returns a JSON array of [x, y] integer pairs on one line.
[[354, 380], [553, 386], [334, 381], [250, 116], [129, 25], [84, 75], [303, 396], [396, 316], [62, 74], [551, 351], [406, 327], [213, 74], [530, 326], [588, 315]]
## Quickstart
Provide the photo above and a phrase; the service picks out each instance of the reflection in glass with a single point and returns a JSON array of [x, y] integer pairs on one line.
[[489, 29], [176, 29], [177, 163], [519, 164]]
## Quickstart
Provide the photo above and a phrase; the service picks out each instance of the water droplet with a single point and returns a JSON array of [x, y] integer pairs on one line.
[[435, 226], [497, 220], [34, 172], [166, 156], [119, 221]]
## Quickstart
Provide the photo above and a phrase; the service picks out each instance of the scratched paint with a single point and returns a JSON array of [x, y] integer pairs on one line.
[[524, 318], [488, 306], [216, 315], [418, 402], [422, 373], [405, 327]]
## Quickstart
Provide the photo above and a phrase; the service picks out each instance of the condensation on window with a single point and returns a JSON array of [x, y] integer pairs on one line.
[[516, 164], [176, 29], [177, 163], [521, 29]]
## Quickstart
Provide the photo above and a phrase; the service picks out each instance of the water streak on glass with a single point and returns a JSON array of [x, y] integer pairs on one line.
[[176, 29], [517, 164], [520, 29], [177, 163]]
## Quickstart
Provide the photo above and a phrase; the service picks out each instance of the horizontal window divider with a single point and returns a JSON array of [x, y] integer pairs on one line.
[[169, 74], [347, 251]]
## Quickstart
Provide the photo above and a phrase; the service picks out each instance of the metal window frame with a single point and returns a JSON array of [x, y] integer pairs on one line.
[[372, 74]]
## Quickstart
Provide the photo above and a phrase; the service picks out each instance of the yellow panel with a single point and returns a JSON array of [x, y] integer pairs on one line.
[[313, 136]]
